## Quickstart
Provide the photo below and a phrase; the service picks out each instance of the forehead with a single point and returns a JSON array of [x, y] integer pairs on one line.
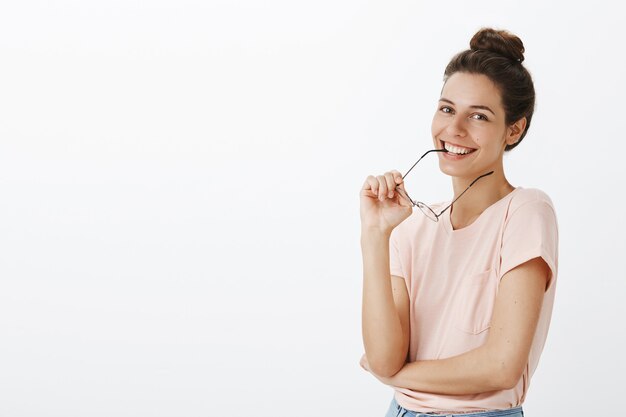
[[466, 89]]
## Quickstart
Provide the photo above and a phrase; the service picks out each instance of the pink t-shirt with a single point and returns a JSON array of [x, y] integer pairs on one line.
[[452, 278]]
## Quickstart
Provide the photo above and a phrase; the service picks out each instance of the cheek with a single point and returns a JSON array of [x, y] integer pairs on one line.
[[436, 125]]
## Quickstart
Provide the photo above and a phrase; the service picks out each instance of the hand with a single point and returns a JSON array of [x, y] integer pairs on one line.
[[382, 208]]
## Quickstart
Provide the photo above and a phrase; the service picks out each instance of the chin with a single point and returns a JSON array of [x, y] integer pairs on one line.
[[452, 171], [456, 171]]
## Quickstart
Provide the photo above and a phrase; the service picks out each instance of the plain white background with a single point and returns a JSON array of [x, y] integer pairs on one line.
[[179, 212]]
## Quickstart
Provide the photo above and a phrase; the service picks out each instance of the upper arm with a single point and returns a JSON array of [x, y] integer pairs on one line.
[[401, 300], [515, 317]]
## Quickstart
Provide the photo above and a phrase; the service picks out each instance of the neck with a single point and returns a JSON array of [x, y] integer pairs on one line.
[[481, 195]]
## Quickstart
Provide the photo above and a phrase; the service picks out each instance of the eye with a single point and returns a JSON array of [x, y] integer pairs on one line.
[[445, 109], [479, 116]]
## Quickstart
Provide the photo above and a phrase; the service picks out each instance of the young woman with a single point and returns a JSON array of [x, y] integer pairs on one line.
[[457, 297]]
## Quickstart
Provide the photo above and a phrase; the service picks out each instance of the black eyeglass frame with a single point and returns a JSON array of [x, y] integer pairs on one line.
[[429, 212]]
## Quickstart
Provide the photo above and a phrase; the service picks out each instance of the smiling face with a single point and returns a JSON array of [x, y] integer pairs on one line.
[[470, 124]]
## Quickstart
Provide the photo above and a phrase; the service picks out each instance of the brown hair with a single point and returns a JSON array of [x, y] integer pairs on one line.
[[498, 54]]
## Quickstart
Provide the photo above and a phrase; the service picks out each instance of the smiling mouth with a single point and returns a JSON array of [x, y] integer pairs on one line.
[[456, 150]]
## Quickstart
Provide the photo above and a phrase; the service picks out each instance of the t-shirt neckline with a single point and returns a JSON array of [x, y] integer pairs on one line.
[[448, 222]]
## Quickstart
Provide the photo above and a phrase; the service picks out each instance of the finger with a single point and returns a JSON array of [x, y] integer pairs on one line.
[[382, 187], [372, 183], [399, 185], [391, 183], [367, 184], [371, 186], [397, 177]]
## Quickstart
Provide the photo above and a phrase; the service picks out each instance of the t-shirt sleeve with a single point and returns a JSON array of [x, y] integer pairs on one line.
[[395, 266], [531, 231]]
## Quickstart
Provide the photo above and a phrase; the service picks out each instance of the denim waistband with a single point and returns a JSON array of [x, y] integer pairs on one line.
[[403, 412]]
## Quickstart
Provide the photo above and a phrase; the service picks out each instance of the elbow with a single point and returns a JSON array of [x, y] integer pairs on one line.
[[507, 375], [384, 368], [506, 367], [385, 371], [510, 380]]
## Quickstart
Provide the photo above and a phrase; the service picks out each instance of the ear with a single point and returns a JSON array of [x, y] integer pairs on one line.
[[515, 130]]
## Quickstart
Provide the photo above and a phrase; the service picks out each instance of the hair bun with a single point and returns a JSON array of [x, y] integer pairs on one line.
[[500, 42]]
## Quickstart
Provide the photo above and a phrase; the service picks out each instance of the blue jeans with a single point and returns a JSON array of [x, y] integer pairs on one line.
[[396, 410]]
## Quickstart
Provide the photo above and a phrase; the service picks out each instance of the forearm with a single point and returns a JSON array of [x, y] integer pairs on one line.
[[472, 372], [383, 337]]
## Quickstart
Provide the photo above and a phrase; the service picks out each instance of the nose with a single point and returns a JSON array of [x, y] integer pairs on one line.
[[456, 126]]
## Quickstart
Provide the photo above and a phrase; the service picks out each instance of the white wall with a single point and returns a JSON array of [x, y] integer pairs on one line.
[[179, 227]]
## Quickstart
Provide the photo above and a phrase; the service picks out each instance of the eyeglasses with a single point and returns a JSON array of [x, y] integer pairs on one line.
[[429, 212]]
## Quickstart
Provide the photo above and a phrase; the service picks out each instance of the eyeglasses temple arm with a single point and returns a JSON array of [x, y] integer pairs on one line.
[[413, 203], [426, 153], [468, 187]]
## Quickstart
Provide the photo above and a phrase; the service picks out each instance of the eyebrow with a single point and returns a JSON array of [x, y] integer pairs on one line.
[[475, 106]]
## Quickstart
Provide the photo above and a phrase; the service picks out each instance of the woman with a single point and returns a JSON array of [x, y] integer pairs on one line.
[[457, 303]]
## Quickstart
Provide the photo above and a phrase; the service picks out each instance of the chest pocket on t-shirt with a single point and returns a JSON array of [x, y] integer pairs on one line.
[[475, 300]]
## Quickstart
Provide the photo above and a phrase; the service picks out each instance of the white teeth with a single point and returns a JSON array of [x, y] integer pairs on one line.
[[456, 149]]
